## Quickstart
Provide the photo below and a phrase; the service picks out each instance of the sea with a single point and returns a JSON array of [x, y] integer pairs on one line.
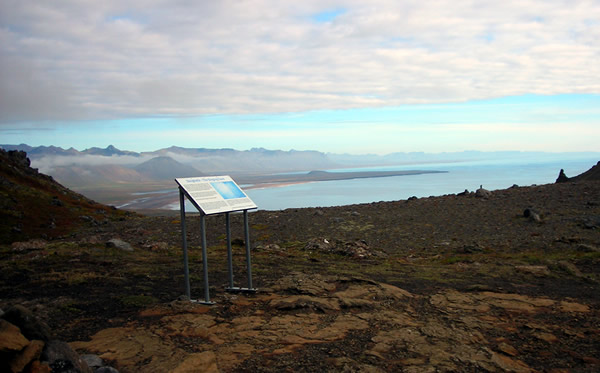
[[491, 174]]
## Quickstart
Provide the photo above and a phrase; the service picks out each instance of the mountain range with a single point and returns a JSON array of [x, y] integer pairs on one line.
[[97, 171]]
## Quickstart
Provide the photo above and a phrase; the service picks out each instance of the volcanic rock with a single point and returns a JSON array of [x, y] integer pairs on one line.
[[119, 244], [11, 338], [483, 193], [62, 359], [31, 327]]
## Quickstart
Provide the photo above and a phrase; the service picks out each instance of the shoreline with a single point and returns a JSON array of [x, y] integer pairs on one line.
[[162, 201]]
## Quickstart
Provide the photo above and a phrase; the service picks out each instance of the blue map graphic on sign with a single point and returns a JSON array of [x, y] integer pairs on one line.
[[228, 190]]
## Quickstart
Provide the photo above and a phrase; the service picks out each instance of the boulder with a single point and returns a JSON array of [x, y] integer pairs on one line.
[[106, 369], [532, 215], [31, 327], [93, 361], [538, 271], [358, 249], [62, 359], [35, 244], [483, 193], [11, 339], [465, 193], [119, 244], [30, 353], [588, 248], [562, 178]]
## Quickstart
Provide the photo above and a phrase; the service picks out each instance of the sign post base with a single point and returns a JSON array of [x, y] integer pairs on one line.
[[241, 290]]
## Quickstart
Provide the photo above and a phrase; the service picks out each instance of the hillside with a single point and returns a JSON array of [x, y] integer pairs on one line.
[[503, 281], [34, 205], [591, 174]]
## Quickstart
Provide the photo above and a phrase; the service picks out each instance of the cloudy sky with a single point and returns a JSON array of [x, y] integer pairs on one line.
[[373, 76]]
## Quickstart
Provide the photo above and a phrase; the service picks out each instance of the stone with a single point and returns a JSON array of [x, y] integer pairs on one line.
[[93, 361], [11, 339], [200, 362], [588, 248], [56, 202], [106, 370], [119, 244], [483, 193], [507, 364], [532, 215], [30, 353], [573, 307], [31, 327], [62, 359], [548, 337], [304, 301], [35, 244], [39, 367], [538, 271], [157, 246], [465, 193], [130, 346], [507, 349], [562, 178], [570, 268]]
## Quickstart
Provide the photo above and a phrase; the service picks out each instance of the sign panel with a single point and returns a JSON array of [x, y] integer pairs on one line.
[[215, 194]]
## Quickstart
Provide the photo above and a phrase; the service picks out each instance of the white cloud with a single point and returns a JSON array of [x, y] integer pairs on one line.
[[114, 59]]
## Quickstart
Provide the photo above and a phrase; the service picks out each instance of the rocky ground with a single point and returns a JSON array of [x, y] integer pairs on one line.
[[501, 281]]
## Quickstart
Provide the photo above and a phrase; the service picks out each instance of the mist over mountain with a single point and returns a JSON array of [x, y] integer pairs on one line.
[[253, 161], [110, 165], [165, 168], [81, 175]]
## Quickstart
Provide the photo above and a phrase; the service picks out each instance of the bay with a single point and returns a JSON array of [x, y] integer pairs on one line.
[[492, 174]]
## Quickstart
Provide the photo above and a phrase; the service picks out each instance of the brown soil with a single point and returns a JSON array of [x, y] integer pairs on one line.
[[452, 283]]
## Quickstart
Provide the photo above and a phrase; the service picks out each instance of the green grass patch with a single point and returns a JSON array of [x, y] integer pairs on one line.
[[138, 300]]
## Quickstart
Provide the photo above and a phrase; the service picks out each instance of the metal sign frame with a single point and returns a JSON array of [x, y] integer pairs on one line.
[[183, 193]]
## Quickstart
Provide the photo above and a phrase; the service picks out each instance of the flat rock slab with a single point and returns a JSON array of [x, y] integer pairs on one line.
[[279, 324]]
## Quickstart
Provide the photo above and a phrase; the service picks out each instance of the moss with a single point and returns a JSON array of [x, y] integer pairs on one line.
[[70, 307], [138, 300]]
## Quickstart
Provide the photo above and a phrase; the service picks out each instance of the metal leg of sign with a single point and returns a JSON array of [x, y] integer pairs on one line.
[[248, 262], [204, 262], [249, 289], [186, 270], [229, 254]]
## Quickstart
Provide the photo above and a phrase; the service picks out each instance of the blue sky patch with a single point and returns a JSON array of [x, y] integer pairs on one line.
[[328, 15]]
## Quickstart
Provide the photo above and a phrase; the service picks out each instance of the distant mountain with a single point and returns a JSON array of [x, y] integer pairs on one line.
[[256, 160], [109, 151], [165, 168], [96, 167], [45, 151], [41, 151]]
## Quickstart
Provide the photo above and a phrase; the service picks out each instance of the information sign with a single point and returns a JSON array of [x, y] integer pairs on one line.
[[215, 194]]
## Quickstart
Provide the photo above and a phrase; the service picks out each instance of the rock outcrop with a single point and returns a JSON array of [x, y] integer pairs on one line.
[[26, 345], [591, 174], [362, 325], [34, 205]]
